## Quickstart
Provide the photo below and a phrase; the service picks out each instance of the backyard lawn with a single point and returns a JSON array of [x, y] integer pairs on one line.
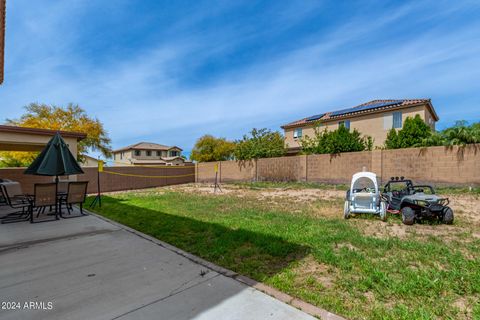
[[293, 237]]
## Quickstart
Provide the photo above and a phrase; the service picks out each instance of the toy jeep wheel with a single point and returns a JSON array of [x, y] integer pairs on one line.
[[447, 215], [383, 211], [346, 210], [408, 216]]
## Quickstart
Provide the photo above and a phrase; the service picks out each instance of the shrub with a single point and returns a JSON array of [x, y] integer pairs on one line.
[[337, 141], [413, 134], [461, 134], [261, 143], [208, 148]]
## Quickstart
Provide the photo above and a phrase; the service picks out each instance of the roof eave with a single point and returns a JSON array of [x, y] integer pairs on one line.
[[47, 132], [143, 148], [371, 111], [432, 110], [380, 110]]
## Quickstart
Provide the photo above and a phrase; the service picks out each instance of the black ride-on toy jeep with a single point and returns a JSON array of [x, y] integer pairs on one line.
[[416, 203]]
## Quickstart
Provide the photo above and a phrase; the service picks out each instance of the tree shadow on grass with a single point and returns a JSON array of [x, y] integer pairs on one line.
[[250, 253]]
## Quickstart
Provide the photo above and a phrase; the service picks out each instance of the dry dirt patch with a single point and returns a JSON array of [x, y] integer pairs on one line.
[[294, 195], [309, 268], [467, 207], [328, 203]]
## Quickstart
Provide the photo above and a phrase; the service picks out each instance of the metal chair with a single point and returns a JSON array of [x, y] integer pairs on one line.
[[45, 195], [12, 199], [76, 194]]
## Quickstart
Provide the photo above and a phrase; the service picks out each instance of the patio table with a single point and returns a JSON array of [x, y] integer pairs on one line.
[[60, 196]]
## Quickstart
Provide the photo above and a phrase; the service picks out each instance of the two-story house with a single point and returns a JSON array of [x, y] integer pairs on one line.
[[374, 118], [148, 153]]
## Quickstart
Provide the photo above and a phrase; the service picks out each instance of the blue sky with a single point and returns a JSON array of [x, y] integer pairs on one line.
[[171, 71]]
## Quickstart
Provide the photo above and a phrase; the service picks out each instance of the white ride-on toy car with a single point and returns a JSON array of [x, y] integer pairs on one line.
[[364, 196]]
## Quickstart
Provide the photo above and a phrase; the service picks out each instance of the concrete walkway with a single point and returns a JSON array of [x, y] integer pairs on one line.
[[88, 268]]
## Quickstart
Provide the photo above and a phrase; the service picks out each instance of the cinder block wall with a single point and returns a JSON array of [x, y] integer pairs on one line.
[[337, 168], [205, 171], [157, 177], [237, 171], [438, 165], [282, 169]]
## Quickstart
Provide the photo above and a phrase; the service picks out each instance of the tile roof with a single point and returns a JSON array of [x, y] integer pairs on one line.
[[367, 107], [147, 146], [2, 37], [162, 160]]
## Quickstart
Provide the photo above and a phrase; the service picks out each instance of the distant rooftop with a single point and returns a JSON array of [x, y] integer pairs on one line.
[[368, 107], [147, 146]]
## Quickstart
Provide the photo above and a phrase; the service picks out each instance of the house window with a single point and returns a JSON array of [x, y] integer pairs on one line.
[[159, 153], [174, 153], [297, 133], [388, 121], [137, 153], [397, 120], [149, 153], [121, 155], [345, 123]]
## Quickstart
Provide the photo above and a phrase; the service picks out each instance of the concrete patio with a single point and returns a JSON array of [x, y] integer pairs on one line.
[[89, 268]]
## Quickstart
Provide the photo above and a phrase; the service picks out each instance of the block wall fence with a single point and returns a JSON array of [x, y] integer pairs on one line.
[[438, 165], [130, 178]]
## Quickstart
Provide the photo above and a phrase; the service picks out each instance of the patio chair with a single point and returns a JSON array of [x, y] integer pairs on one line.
[[45, 195], [18, 202], [76, 194]]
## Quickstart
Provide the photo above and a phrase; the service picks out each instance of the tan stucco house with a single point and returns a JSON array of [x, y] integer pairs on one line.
[[2, 38], [374, 118], [14, 138], [148, 153], [89, 161]]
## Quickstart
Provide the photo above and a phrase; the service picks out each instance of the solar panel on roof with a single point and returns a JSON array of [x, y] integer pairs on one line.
[[365, 107], [315, 117]]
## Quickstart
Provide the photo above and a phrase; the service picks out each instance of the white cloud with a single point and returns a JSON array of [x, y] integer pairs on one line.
[[143, 98]]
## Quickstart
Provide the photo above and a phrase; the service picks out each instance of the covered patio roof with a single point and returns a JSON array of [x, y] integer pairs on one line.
[[32, 139]]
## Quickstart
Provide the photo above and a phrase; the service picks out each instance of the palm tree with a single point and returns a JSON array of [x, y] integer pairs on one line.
[[435, 139], [461, 135]]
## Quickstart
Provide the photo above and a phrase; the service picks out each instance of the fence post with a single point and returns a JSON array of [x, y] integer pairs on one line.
[[220, 171], [377, 163], [381, 167], [306, 168], [196, 172], [256, 170]]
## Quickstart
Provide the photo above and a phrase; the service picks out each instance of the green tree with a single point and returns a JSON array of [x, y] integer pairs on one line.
[[413, 134], [70, 118], [337, 141], [208, 148], [12, 159], [392, 141], [435, 139], [461, 134], [261, 143]]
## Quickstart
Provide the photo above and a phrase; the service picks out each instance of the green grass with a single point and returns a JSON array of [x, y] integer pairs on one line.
[[257, 185], [328, 262], [458, 190]]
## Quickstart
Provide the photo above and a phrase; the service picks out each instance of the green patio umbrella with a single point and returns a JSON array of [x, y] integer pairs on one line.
[[55, 160]]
